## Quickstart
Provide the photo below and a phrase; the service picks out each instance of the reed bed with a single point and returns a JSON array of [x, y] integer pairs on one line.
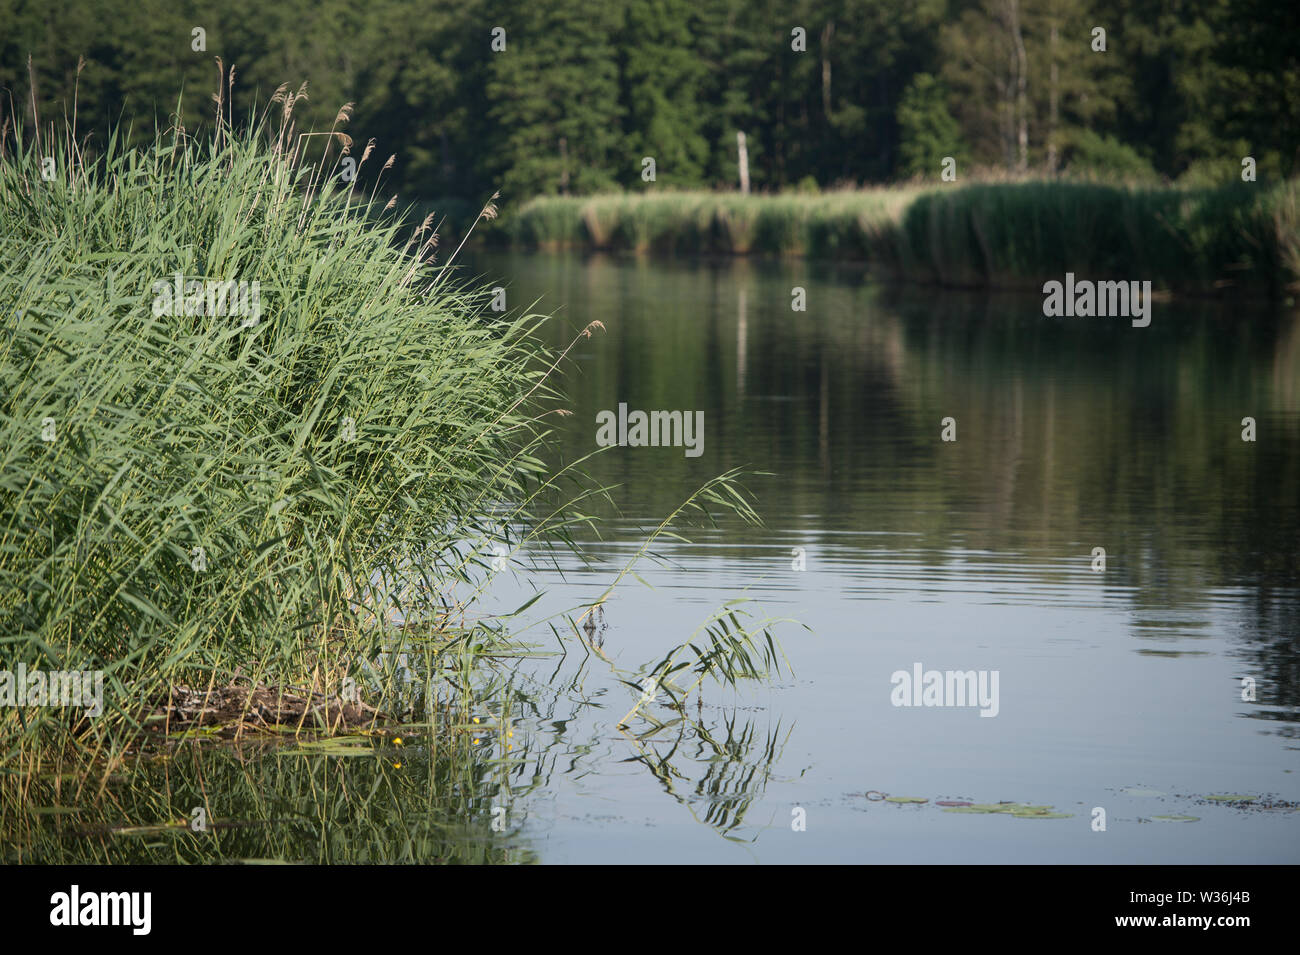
[[269, 519], [194, 499], [1240, 237]]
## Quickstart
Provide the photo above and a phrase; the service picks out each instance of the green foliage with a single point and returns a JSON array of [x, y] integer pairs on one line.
[[1212, 172], [928, 131], [1089, 154], [337, 457], [557, 80], [1181, 84], [1199, 76], [1233, 237], [661, 82]]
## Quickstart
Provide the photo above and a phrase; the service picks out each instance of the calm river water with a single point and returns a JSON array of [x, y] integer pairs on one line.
[[1120, 689], [1129, 695]]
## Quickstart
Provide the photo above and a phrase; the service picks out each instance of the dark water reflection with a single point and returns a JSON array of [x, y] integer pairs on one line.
[[1071, 433]]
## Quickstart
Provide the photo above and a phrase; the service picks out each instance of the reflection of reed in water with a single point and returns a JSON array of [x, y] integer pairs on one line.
[[345, 800], [724, 776], [1286, 367], [595, 626]]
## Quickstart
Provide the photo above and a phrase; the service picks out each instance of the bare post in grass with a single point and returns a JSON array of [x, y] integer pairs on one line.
[[743, 162]]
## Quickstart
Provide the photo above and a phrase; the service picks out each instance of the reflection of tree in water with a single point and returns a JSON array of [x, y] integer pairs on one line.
[[1070, 433], [1272, 644]]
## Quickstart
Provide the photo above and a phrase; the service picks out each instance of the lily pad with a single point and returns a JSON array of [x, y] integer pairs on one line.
[[334, 746], [1002, 808], [953, 802], [340, 746], [1229, 797], [983, 808], [905, 799], [1175, 818]]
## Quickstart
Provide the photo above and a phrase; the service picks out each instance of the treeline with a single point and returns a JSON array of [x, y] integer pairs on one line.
[[827, 92]]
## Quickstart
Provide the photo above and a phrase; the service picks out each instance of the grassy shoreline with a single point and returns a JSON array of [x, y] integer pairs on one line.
[[263, 456], [1240, 239]]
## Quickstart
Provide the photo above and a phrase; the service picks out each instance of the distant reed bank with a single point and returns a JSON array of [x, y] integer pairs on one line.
[[1239, 238]]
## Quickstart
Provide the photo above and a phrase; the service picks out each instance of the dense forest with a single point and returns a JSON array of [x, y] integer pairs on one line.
[[566, 96]]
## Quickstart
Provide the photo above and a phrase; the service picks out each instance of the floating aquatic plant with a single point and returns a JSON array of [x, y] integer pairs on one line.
[[1020, 810]]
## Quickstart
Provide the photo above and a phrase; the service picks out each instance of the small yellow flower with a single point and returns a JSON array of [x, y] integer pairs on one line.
[[476, 719], [397, 765], [397, 741], [510, 734]]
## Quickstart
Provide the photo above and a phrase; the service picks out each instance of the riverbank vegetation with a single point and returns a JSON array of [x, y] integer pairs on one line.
[[270, 512], [847, 112], [199, 498], [1241, 238]]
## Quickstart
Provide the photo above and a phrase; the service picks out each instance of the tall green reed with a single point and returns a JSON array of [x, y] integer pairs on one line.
[[298, 498], [192, 497]]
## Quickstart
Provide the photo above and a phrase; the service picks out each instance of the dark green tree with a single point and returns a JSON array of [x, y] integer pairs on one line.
[[928, 131], [553, 98], [662, 74]]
